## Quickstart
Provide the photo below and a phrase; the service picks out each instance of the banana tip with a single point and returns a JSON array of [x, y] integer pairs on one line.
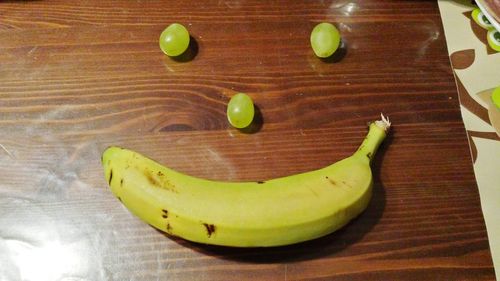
[[384, 123]]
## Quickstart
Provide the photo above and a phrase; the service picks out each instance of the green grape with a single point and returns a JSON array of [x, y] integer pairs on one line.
[[325, 39], [174, 40], [240, 111]]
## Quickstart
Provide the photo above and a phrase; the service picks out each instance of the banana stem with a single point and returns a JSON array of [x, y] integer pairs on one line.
[[376, 134]]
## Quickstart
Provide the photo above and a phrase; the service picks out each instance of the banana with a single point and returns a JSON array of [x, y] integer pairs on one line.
[[275, 212]]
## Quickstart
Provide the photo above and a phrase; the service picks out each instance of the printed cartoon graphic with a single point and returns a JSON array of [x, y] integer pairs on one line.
[[463, 59], [484, 30], [490, 114]]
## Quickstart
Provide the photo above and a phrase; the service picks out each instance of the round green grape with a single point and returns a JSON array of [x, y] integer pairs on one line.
[[495, 96], [325, 39], [240, 111], [174, 40]]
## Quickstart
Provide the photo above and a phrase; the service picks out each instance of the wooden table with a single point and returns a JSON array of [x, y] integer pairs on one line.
[[78, 76]]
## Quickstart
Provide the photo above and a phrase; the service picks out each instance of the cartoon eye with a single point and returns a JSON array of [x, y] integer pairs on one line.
[[481, 19], [494, 39]]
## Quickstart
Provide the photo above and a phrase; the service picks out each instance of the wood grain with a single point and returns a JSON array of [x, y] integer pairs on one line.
[[76, 77]]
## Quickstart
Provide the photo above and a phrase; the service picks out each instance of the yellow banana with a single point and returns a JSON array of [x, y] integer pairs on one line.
[[275, 212]]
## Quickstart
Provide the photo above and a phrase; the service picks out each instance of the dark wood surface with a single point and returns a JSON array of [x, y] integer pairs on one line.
[[77, 76]]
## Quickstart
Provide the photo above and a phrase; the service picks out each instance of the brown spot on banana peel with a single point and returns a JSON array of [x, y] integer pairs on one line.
[[261, 182], [152, 179], [164, 213], [341, 185], [210, 229], [369, 155], [331, 180], [346, 184], [159, 180], [168, 229], [110, 176]]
